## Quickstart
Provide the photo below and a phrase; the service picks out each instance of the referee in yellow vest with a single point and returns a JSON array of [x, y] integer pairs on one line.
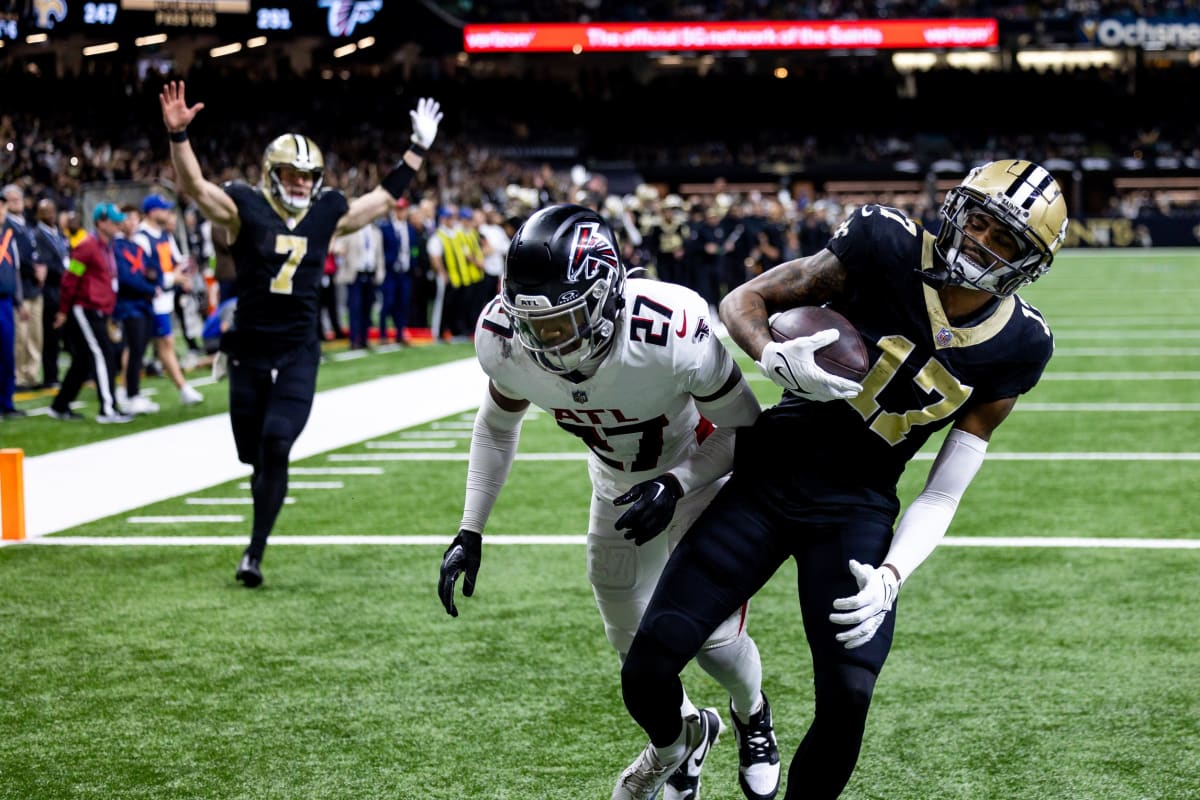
[[459, 271]]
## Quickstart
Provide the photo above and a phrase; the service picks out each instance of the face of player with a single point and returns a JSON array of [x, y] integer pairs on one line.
[[988, 238], [559, 332], [297, 183]]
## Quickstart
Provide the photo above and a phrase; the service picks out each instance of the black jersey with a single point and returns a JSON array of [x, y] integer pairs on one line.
[[925, 374], [279, 270]]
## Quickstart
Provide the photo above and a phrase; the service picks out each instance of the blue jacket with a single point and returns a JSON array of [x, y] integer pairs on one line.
[[391, 245], [10, 261], [136, 284]]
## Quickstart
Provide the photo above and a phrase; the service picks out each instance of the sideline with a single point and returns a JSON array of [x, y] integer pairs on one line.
[[76, 486]]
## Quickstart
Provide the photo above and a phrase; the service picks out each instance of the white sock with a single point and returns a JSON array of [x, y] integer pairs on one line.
[[676, 750], [738, 668]]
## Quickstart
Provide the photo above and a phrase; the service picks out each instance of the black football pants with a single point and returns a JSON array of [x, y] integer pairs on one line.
[[729, 553], [268, 408]]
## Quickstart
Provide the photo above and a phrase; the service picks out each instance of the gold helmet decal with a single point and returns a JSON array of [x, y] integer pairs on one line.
[[301, 155]]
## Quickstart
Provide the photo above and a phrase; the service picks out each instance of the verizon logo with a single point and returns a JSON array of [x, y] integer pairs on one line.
[[960, 35], [493, 40]]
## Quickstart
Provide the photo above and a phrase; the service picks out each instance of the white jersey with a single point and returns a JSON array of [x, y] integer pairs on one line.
[[637, 413]]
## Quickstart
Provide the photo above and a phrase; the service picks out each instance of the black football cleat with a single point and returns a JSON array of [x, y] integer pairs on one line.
[[249, 571], [758, 755]]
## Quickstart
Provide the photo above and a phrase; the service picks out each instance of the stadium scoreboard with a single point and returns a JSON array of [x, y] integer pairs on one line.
[[227, 18]]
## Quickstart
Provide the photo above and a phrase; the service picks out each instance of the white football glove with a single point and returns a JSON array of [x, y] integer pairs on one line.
[[425, 121], [791, 365], [865, 611]]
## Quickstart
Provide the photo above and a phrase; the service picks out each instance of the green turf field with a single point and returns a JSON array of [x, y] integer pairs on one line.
[[1018, 672]]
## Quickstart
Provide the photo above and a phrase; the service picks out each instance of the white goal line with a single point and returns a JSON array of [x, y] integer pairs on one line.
[[570, 539]]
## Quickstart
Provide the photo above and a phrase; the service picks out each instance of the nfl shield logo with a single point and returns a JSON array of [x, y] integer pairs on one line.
[[943, 337], [579, 396]]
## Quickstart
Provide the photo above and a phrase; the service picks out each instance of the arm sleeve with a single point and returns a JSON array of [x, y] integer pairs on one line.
[[493, 447], [928, 518], [714, 457]]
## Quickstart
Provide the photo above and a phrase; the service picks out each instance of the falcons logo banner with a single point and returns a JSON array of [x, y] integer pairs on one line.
[[590, 250]]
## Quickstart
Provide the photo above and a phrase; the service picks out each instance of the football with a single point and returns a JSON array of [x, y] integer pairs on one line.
[[847, 357]]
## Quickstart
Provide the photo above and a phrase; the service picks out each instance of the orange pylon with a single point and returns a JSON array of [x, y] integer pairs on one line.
[[12, 493]]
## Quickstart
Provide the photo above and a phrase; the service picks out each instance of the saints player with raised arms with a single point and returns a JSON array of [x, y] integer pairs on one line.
[[815, 478], [633, 368], [279, 233]]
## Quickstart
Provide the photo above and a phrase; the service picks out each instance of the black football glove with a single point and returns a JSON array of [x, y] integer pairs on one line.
[[462, 556], [653, 506]]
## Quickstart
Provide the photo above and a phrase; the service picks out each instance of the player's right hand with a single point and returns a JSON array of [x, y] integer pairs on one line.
[[176, 114], [461, 558], [791, 365]]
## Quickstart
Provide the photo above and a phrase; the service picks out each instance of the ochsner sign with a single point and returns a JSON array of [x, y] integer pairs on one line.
[[845, 35], [1175, 35]]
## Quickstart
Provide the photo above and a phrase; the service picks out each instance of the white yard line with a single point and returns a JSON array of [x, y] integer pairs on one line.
[[72, 487], [576, 539], [581, 456], [336, 471], [185, 518], [1121, 376], [227, 501], [1109, 407], [427, 444], [306, 485], [1121, 334], [1105, 352]]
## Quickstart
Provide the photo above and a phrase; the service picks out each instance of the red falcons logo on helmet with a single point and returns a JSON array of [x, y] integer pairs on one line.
[[590, 250]]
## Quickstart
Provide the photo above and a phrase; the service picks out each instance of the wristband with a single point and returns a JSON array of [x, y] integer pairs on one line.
[[396, 182], [177, 136], [417, 149], [895, 572]]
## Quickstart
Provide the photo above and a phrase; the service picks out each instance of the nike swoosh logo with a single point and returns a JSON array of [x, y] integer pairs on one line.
[[786, 374], [683, 326]]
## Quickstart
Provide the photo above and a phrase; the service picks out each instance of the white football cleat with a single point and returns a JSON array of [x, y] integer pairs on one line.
[[642, 779]]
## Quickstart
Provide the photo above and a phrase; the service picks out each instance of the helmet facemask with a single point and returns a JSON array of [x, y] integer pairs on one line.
[[298, 153], [564, 337], [564, 288], [294, 202], [1014, 205]]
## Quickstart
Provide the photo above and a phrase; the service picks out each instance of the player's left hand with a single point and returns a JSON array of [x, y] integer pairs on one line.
[[462, 557], [866, 610], [653, 506], [425, 121]]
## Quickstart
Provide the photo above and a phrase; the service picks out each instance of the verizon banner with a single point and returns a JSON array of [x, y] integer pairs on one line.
[[845, 35]]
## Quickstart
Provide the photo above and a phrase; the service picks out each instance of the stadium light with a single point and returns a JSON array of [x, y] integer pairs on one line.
[[146, 41], [36, 38], [101, 49], [974, 60], [257, 41], [225, 50], [912, 62], [345, 50], [1043, 60]]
